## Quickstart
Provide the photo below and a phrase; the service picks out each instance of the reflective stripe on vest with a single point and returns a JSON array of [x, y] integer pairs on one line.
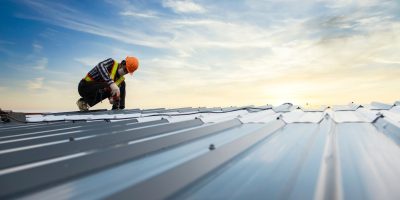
[[114, 70], [119, 81], [88, 78]]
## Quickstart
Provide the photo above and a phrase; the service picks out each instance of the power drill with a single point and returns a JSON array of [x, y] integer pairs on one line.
[[114, 100]]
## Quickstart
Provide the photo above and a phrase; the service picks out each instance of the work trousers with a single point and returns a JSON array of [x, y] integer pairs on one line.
[[94, 92]]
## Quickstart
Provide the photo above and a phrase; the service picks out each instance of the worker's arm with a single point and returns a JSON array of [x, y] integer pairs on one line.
[[102, 68]]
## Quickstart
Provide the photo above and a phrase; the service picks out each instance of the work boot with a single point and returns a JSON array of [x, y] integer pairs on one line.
[[82, 105]]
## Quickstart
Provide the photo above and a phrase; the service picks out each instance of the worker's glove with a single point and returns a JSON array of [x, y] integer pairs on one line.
[[114, 90]]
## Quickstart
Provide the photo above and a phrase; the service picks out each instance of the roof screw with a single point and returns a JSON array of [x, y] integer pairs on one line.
[[71, 139], [211, 147], [380, 115]]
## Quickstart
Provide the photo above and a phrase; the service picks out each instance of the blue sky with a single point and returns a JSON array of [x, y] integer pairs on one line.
[[202, 53]]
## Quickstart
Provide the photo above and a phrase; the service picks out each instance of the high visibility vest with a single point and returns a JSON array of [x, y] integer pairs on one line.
[[112, 75]]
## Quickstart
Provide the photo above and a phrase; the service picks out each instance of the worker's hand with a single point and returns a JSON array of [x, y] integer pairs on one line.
[[111, 100], [114, 90]]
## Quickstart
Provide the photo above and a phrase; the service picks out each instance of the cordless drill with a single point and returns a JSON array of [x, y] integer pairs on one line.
[[114, 100]]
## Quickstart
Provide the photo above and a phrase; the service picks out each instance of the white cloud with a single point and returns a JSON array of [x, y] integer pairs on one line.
[[354, 3], [37, 48], [35, 84], [333, 53], [41, 64], [130, 9], [183, 6], [4, 47], [62, 15], [387, 61], [138, 14]]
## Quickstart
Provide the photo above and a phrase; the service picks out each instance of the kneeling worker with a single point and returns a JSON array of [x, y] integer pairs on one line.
[[106, 80]]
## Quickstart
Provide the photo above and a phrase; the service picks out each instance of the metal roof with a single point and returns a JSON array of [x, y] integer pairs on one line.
[[267, 152]]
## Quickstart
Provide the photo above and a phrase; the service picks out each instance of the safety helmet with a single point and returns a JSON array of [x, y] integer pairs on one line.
[[132, 63]]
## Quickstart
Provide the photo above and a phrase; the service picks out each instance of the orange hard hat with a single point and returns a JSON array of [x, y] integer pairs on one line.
[[132, 63]]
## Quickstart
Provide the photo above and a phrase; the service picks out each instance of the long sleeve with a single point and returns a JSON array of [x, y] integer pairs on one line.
[[101, 72], [103, 67]]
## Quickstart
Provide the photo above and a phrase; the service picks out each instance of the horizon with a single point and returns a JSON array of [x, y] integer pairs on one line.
[[202, 53]]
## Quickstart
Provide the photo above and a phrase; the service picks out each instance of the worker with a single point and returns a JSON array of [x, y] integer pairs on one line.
[[106, 80]]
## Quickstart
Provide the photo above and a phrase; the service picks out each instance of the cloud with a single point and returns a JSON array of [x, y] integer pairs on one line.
[[354, 3], [183, 6], [168, 33], [137, 14], [35, 84], [41, 64], [37, 48], [62, 15], [262, 50], [4, 47], [49, 34], [131, 9], [387, 61]]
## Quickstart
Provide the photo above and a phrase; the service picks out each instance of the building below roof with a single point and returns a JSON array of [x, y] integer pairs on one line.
[[266, 152]]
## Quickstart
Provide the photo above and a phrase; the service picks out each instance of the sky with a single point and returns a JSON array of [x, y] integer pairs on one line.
[[195, 53]]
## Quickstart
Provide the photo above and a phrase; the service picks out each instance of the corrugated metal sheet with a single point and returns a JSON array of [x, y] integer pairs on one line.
[[267, 152]]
